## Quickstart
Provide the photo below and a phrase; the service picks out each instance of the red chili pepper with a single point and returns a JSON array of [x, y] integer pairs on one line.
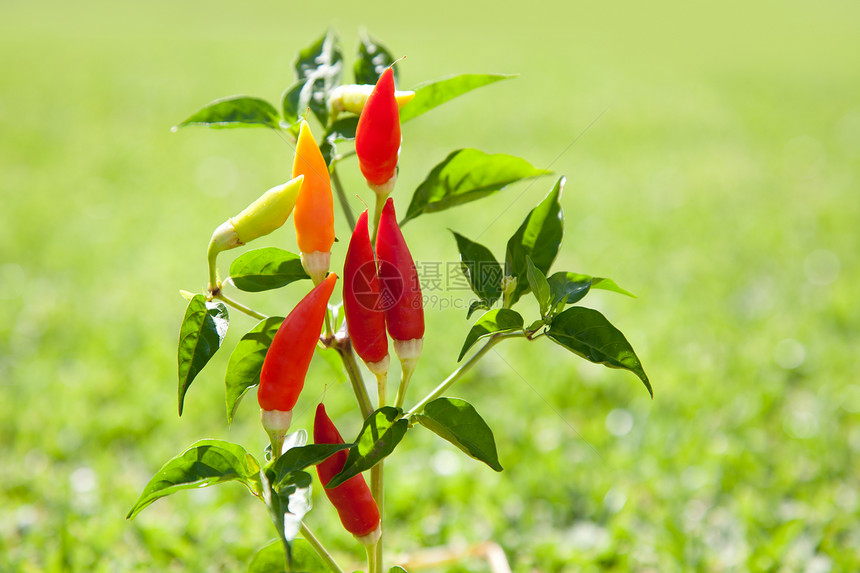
[[365, 319], [288, 358], [352, 499], [377, 137], [398, 277], [401, 296]]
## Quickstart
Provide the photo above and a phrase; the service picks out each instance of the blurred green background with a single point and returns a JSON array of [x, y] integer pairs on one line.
[[719, 184]]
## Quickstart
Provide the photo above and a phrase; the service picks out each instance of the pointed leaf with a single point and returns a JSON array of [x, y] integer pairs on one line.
[[457, 421], [575, 286], [265, 269], [372, 60], [539, 237], [482, 271], [397, 569], [200, 336], [467, 175], [292, 105], [235, 111], [271, 558], [491, 322], [288, 501], [205, 463], [379, 435], [301, 457], [246, 362], [540, 287], [477, 305], [431, 94], [588, 334], [610, 285], [321, 65]]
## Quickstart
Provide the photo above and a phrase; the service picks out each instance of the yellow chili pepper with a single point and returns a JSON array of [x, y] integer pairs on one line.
[[314, 212], [352, 97]]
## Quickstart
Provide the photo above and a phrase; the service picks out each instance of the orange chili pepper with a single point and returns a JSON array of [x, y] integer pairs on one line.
[[314, 211]]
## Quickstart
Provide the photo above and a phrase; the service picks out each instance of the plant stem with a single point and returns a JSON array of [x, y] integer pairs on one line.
[[350, 364], [341, 195], [211, 258], [373, 565], [377, 491], [377, 213], [321, 551], [459, 372], [406, 376], [240, 307]]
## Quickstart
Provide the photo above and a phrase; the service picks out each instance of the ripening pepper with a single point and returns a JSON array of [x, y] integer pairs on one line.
[[365, 319], [352, 97], [287, 360], [314, 213], [352, 499], [260, 218], [377, 137], [401, 294]]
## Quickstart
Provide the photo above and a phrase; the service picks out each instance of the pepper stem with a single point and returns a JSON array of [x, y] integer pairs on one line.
[[350, 365], [372, 561], [376, 491], [377, 214], [318, 547], [408, 351], [341, 195]]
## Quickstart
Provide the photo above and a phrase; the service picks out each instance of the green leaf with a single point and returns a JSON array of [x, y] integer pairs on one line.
[[291, 104], [320, 65], [341, 130], [271, 558], [265, 269], [539, 237], [235, 111], [372, 60], [610, 285], [457, 421], [246, 362], [464, 176], [205, 463], [432, 94], [491, 322], [588, 334], [301, 457], [571, 285], [482, 271], [397, 569], [288, 501], [575, 286], [476, 305], [540, 286], [200, 336], [379, 435]]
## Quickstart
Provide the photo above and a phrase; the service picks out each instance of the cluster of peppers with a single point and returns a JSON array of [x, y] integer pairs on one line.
[[381, 292]]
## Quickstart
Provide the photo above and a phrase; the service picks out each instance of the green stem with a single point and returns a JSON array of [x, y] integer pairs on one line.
[[341, 195], [406, 376], [350, 364], [373, 565], [376, 474], [240, 307], [377, 213], [321, 551], [211, 258], [459, 372]]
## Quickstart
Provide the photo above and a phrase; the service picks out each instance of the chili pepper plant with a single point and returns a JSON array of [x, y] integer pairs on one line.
[[380, 295]]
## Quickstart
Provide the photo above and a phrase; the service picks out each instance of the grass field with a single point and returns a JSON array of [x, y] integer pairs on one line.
[[718, 180]]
